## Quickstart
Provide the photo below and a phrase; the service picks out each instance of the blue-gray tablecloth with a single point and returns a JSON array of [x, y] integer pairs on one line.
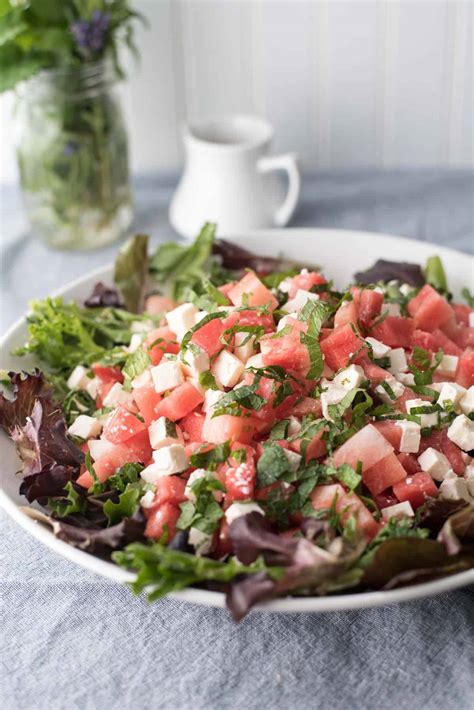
[[73, 640]]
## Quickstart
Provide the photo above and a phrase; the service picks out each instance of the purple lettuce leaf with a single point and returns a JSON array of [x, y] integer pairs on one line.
[[384, 270], [47, 483], [236, 258], [36, 424], [458, 529], [104, 296], [306, 566], [409, 560]]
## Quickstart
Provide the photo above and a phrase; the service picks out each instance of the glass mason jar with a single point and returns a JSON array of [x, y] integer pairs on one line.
[[73, 158]]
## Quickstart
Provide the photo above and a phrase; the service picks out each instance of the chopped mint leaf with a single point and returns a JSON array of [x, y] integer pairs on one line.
[[208, 381], [212, 458], [135, 364], [435, 274], [126, 506], [73, 502]]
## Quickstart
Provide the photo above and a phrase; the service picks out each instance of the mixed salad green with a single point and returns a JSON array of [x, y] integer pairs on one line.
[[221, 419]]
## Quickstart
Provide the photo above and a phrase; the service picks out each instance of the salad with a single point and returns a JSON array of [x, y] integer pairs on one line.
[[234, 422]]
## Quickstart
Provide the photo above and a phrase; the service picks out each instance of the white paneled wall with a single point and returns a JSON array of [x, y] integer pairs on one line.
[[346, 82]]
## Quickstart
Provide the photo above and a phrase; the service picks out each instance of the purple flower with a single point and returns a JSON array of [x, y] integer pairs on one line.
[[70, 148], [90, 35]]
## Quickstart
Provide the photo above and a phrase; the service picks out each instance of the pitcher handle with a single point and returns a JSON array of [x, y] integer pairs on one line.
[[288, 163]]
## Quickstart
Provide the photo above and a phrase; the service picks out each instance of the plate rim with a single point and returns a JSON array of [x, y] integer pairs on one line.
[[337, 602]]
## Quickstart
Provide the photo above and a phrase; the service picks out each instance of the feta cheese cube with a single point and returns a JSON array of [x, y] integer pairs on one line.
[[398, 361], [451, 394], [227, 369], [236, 510], [469, 478], [466, 403], [78, 378], [350, 377], [411, 436], [255, 361], [167, 375], [333, 395], [164, 432], [142, 380], [461, 433], [99, 448], [455, 489], [196, 361], [199, 316], [392, 309], [283, 322], [182, 319], [294, 426], [471, 319], [299, 301], [85, 427], [171, 459], [211, 398], [396, 387], [448, 365], [92, 387], [244, 346], [195, 476], [201, 541], [142, 326], [398, 511], [425, 419], [135, 342], [379, 349], [435, 463], [117, 395], [293, 459], [406, 378], [405, 289], [146, 501], [285, 285]]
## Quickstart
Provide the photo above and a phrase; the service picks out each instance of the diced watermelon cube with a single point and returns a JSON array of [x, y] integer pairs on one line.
[[367, 446], [391, 431], [287, 352], [395, 331], [416, 489], [346, 504], [341, 346], [192, 425], [461, 313], [170, 489], [240, 482], [464, 338], [409, 463], [250, 290], [305, 282], [208, 336], [346, 313], [147, 399], [429, 309], [370, 306], [422, 339], [465, 369], [446, 344], [122, 425], [161, 519], [384, 474], [227, 427], [160, 341], [179, 402]]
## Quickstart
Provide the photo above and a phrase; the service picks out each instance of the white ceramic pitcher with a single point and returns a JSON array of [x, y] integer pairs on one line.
[[226, 178]]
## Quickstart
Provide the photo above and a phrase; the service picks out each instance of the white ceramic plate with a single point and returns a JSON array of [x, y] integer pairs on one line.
[[340, 253]]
